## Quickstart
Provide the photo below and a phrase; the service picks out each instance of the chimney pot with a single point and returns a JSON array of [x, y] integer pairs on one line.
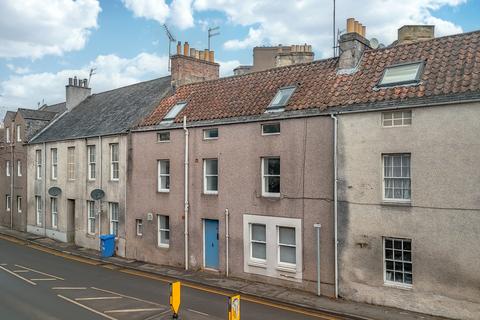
[[358, 28], [70, 81], [75, 83], [212, 56], [201, 55], [364, 31], [186, 48], [350, 25], [85, 81], [179, 47]]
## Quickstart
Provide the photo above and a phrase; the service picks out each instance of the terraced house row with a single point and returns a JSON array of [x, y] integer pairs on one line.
[[374, 151]]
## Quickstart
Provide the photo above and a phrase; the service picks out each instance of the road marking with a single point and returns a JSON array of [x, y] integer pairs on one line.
[[133, 310], [69, 288], [45, 274], [146, 275], [64, 255], [44, 279], [3, 264], [125, 296], [12, 239], [97, 298], [20, 277], [200, 313], [20, 271], [85, 307]]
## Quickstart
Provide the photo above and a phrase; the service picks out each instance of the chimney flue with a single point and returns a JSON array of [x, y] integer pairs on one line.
[[75, 83], [179, 47], [70, 81], [350, 25], [186, 48]]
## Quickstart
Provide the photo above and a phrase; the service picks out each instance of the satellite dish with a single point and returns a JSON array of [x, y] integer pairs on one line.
[[97, 194], [54, 191], [374, 43]]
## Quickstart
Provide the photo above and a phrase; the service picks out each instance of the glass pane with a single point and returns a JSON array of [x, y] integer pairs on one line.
[[407, 245], [211, 166], [389, 276], [397, 255], [164, 222], [259, 250], [286, 235], [165, 167], [407, 121], [407, 267], [212, 183], [408, 278], [407, 256], [397, 122], [175, 111], [211, 133], [400, 73], [165, 182], [389, 265], [398, 277], [271, 128], [288, 254], [388, 254], [387, 115], [258, 232], [397, 244], [165, 237], [398, 266], [164, 136], [273, 166], [272, 184], [388, 243]]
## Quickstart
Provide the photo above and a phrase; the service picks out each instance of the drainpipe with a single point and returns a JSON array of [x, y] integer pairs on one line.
[[12, 171], [317, 227], [101, 176], [227, 238], [44, 189], [186, 190], [335, 197]]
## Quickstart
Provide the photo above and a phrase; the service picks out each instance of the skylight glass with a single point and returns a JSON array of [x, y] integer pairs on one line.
[[401, 74], [172, 114], [281, 99]]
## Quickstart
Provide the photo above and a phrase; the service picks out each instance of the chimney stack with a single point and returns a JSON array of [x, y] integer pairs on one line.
[[352, 45], [415, 33], [76, 91], [193, 65]]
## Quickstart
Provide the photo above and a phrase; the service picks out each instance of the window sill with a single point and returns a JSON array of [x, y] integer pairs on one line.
[[163, 246], [209, 139], [90, 235], [286, 269], [210, 193], [271, 134], [400, 286], [114, 180], [163, 191], [255, 264], [166, 141], [271, 196], [396, 203]]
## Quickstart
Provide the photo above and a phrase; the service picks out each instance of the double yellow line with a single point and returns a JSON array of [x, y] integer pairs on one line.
[[314, 314]]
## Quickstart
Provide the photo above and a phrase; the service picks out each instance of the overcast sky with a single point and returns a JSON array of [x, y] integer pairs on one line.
[[42, 43]]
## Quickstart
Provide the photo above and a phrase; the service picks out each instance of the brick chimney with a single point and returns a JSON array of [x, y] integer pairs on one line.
[[77, 90], [193, 65], [352, 45], [296, 54], [414, 33]]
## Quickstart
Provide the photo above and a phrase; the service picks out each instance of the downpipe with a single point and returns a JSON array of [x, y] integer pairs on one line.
[[185, 130], [227, 238], [335, 197]]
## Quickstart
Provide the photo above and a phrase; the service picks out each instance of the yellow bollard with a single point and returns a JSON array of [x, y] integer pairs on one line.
[[234, 308], [175, 298]]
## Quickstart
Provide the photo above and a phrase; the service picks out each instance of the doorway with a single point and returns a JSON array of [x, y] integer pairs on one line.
[[211, 254], [71, 220]]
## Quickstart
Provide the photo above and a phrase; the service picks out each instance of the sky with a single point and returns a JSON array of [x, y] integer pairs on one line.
[[42, 44]]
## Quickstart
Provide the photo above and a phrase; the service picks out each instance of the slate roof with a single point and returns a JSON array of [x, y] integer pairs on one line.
[[110, 112], [36, 114], [452, 68], [58, 107]]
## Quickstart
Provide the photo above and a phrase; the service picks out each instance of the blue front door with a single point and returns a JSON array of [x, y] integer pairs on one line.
[[211, 243]]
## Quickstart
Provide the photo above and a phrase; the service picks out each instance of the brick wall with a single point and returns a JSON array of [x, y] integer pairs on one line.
[[186, 69]]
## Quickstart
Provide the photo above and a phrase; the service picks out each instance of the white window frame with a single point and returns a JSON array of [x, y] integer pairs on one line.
[[114, 224], [19, 168], [395, 283], [19, 133], [139, 227], [162, 176], [7, 168], [399, 200], [8, 203], [159, 135], [92, 163], [277, 106], [279, 245], [414, 80], [252, 258], [54, 212], [71, 163], [405, 118], [7, 134], [161, 229], [206, 131], [19, 204], [38, 164], [54, 163], [114, 162], [91, 219], [270, 133], [38, 210], [265, 177], [206, 176]]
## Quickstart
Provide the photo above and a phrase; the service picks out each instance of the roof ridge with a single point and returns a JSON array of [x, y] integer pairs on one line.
[[426, 41], [130, 85]]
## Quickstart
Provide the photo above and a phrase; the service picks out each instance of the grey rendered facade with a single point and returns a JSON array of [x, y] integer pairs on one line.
[[441, 220]]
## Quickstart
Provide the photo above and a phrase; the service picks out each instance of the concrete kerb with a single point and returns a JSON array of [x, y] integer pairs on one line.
[[199, 282]]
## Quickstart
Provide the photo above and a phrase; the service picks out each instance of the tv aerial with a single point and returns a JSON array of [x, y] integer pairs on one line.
[[171, 39], [212, 32]]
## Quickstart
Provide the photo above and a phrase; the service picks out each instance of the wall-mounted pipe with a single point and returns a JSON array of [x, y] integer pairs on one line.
[[185, 130], [317, 227], [335, 198], [12, 170], [227, 238]]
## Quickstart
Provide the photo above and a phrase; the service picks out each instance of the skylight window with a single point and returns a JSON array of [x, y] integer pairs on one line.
[[401, 74], [172, 114], [281, 99]]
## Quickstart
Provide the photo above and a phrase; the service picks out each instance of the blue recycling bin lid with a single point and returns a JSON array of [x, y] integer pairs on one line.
[[107, 236]]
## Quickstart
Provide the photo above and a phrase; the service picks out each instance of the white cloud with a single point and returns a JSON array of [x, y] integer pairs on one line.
[[226, 67], [17, 70], [310, 21], [179, 12], [112, 72], [32, 28]]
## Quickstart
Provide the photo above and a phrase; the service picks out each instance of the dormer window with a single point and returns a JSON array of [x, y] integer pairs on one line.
[[281, 99], [174, 111], [407, 73]]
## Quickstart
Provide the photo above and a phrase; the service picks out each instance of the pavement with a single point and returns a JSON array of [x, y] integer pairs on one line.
[[267, 294]]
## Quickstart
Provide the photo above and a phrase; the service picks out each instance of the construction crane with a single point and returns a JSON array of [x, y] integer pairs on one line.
[[171, 39]]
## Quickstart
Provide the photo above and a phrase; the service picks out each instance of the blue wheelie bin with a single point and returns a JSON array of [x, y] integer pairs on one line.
[[107, 245]]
